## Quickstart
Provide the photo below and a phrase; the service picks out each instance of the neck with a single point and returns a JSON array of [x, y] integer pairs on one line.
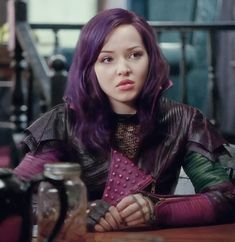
[[123, 108]]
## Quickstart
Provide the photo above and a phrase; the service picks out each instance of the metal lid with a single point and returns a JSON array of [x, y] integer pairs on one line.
[[62, 168]]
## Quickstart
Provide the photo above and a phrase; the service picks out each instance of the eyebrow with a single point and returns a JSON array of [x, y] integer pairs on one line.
[[131, 48]]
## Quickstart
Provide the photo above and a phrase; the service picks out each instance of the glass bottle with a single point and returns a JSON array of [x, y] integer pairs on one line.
[[74, 228]]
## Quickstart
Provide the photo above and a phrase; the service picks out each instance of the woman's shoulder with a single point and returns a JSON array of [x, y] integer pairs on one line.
[[189, 118], [170, 110], [51, 125], [181, 120]]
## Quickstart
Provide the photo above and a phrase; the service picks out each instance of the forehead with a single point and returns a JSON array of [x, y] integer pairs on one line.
[[123, 35]]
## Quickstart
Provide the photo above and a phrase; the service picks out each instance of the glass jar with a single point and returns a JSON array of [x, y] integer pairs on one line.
[[74, 228]]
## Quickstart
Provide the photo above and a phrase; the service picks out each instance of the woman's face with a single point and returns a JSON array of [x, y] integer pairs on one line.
[[121, 68]]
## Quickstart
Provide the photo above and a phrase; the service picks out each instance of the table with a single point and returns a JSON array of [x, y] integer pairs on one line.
[[218, 233], [215, 233]]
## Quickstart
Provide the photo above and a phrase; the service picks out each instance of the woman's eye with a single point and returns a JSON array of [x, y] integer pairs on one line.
[[106, 60], [136, 55]]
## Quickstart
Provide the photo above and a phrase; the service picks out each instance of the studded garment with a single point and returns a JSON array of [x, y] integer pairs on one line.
[[124, 178], [181, 129]]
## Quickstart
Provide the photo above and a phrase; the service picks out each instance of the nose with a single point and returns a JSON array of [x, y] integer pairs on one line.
[[123, 68]]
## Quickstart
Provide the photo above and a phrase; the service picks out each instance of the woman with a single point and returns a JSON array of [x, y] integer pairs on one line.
[[131, 141]]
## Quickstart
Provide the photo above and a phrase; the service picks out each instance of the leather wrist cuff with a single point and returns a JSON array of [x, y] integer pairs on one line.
[[96, 210]]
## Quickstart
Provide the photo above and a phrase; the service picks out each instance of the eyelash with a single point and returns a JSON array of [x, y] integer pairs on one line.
[[133, 55], [137, 54], [103, 60]]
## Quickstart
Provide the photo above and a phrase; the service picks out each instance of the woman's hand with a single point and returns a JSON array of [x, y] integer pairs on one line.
[[95, 211], [136, 210], [133, 210], [111, 221]]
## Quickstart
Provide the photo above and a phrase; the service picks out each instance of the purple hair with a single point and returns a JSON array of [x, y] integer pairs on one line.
[[94, 113]]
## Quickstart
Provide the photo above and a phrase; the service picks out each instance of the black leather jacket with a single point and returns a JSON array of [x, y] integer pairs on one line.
[[181, 129]]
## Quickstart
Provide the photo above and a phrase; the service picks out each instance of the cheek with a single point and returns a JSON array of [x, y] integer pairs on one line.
[[99, 76], [102, 79], [102, 73], [143, 70]]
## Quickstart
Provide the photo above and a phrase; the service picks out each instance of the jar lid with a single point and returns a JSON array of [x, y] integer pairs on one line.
[[62, 168]]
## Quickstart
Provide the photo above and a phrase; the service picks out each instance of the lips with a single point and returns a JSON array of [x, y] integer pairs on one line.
[[125, 82], [125, 85]]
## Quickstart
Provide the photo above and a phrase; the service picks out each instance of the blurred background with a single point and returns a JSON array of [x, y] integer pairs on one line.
[[37, 40]]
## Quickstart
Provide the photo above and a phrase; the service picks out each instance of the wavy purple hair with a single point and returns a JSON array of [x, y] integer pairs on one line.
[[94, 114]]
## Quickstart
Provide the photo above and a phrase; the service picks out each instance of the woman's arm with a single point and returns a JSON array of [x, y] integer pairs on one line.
[[214, 203], [33, 164]]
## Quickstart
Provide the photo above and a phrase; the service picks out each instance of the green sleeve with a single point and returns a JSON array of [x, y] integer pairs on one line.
[[203, 172]]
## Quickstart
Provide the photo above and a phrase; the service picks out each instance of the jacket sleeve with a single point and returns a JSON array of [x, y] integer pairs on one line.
[[49, 129], [215, 202], [203, 138], [44, 143], [33, 164]]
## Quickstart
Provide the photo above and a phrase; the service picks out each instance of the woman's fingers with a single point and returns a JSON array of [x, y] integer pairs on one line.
[[124, 203], [135, 216], [136, 222], [131, 209], [134, 209], [130, 205], [105, 224], [116, 216], [111, 221], [99, 228]]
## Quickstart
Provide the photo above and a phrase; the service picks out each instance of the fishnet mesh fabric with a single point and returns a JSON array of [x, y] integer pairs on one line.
[[126, 139]]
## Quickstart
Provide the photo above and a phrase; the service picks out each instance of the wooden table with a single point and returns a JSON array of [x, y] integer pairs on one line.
[[218, 233]]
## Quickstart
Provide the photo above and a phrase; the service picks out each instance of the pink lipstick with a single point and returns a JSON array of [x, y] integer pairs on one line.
[[126, 85]]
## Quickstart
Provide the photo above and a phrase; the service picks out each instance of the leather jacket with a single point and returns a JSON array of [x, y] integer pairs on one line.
[[180, 129]]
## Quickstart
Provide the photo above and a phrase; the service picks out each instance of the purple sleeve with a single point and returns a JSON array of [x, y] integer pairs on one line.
[[213, 207], [33, 164]]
